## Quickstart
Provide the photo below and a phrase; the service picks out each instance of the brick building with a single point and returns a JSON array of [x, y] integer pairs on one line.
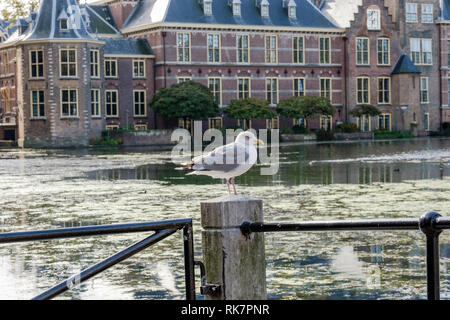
[[111, 57], [60, 71], [382, 35], [444, 31]]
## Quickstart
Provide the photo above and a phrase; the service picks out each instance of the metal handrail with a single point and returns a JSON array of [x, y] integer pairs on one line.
[[162, 229], [431, 224]]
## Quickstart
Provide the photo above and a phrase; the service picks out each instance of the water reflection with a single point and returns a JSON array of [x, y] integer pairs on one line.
[[388, 179]]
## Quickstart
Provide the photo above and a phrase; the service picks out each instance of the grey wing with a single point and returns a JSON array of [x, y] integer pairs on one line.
[[223, 159]]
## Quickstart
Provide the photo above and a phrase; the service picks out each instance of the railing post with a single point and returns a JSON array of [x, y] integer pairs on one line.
[[427, 226], [188, 241], [233, 261]]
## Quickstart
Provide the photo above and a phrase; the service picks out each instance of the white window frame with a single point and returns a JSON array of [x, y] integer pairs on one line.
[[411, 5], [140, 103], [377, 17], [429, 15]]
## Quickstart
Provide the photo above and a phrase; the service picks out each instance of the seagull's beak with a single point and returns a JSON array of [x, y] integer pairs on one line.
[[260, 142]]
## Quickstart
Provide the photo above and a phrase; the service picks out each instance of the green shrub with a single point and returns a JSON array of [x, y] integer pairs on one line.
[[323, 135], [446, 128], [299, 129], [385, 134], [347, 128]]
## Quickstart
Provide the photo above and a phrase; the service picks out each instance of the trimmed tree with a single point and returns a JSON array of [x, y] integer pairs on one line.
[[250, 108], [187, 100], [307, 107], [365, 110]]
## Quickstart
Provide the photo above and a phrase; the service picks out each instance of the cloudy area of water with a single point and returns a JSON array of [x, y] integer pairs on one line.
[[352, 180]]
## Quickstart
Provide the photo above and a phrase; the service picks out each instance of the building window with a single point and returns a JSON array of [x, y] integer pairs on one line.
[[243, 88], [207, 9], [427, 13], [69, 103], [243, 47], [110, 68], [183, 47], [273, 123], [292, 12], [68, 62], [213, 48], [384, 90], [421, 51], [139, 103], [326, 123], [95, 102], [37, 104], [265, 10], [185, 123], [236, 9], [214, 85], [364, 123], [426, 121], [271, 49], [411, 12], [95, 64], [427, 51], [215, 123], [415, 50], [5, 62], [140, 127], [424, 90], [363, 90], [324, 50], [138, 69], [298, 49], [112, 103], [112, 127], [272, 90], [244, 123], [299, 87], [325, 88], [373, 19], [383, 51], [183, 79], [448, 53], [362, 51], [384, 122], [448, 90], [63, 24], [36, 64]]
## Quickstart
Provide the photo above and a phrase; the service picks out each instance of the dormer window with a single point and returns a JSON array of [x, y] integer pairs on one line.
[[265, 10], [263, 7], [236, 7], [63, 25], [207, 7], [292, 12], [291, 8]]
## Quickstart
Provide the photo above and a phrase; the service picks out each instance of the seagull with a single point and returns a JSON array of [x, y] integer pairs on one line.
[[228, 161]]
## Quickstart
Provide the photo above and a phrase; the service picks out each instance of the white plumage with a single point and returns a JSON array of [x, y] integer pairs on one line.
[[228, 161]]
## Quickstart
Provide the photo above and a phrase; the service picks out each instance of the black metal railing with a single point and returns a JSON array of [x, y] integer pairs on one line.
[[431, 224], [162, 230]]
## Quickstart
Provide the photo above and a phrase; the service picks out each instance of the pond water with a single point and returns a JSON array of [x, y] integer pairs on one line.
[[43, 189]]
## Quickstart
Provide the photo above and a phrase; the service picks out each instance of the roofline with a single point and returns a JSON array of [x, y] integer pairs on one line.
[[230, 26], [101, 18], [19, 42], [122, 55]]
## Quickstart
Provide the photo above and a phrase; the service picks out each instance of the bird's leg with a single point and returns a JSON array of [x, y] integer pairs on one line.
[[234, 186], [228, 185]]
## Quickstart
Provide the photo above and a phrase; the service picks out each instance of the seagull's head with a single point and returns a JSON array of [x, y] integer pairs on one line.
[[248, 138]]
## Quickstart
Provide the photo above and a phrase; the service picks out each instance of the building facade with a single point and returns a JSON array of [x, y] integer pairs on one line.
[[96, 67]]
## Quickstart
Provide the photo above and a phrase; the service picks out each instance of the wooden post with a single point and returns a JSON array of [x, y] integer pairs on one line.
[[233, 261]]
